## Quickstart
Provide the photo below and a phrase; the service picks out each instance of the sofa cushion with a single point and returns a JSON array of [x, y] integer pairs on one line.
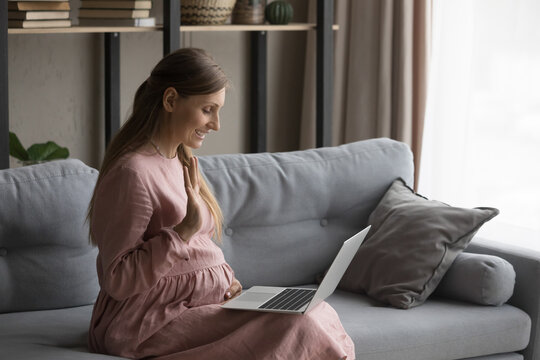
[[412, 243], [505, 356], [439, 329], [59, 334], [46, 261], [478, 278], [289, 213]]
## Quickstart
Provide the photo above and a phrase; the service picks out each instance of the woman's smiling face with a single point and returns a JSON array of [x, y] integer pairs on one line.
[[194, 116]]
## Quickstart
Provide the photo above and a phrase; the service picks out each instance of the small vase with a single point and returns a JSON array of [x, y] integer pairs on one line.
[[249, 12], [279, 12]]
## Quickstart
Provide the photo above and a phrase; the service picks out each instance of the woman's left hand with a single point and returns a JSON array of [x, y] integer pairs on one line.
[[234, 290], [192, 222]]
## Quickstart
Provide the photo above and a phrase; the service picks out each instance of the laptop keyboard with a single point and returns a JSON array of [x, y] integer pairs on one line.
[[289, 299]]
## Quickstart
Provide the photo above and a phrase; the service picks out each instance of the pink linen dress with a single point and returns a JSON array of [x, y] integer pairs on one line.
[[160, 297]]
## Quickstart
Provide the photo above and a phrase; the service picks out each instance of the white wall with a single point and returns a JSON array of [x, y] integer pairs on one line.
[[56, 86]]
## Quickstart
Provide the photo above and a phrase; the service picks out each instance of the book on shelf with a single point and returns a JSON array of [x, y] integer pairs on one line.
[[116, 4], [141, 22], [37, 15], [39, 5], [36, 1], [113, 13], [35, 24]]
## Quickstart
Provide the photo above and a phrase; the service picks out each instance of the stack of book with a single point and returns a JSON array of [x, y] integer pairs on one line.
[[116, 13], [38, 13]]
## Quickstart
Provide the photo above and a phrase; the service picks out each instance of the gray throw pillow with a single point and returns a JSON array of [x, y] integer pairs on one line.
[[412, 243], [478, 278]]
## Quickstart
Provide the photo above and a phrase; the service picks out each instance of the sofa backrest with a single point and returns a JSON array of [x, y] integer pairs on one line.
[[46, 261], [287, 214]]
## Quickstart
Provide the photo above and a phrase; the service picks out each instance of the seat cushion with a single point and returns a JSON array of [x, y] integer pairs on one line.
[[507, 356], [435, 330], [48, 334], [438, 329]]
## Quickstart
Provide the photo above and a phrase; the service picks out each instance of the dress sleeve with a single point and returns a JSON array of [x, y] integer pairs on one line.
[[128, 263]]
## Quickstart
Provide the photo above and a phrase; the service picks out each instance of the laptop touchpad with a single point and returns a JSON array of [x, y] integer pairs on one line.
[[255, 296]]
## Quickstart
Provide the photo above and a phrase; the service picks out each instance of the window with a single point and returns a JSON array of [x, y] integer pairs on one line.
[[482, 131]]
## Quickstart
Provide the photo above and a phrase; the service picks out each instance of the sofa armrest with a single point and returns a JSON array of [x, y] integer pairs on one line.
[[526, 295]]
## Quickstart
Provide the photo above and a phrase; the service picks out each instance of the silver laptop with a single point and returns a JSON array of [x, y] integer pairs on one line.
[[299, 300]]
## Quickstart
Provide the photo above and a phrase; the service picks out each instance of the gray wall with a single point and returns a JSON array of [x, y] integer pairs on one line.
[[56, 85]]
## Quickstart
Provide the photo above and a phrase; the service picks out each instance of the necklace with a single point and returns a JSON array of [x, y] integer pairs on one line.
[[158, 150]]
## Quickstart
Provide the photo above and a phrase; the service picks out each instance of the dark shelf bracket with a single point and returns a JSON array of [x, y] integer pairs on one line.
[[4, 88], [325, 72], [171, 26], [258, 91], [112, 85]]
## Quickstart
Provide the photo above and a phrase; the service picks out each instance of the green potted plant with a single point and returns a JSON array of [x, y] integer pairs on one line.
[[36, 153]]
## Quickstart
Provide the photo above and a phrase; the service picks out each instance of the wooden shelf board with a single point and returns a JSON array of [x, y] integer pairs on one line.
[[263, 27], [84, 29], [183, 28]]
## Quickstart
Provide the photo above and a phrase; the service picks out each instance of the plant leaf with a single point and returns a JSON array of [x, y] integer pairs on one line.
[[47, 151], [60, 153], [16, 149]]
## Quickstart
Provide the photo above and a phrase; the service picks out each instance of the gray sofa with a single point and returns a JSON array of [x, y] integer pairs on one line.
[[286, 215]]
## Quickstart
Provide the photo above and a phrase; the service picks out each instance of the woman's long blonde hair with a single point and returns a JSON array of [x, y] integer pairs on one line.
[[190, 71]]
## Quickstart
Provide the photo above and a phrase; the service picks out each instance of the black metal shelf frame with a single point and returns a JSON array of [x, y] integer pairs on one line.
[[171, 42], [4, 88]]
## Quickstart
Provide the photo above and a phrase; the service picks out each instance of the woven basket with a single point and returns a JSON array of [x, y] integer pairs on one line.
[[205, 12]]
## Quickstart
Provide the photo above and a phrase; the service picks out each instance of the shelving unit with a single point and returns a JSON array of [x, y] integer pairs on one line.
[[184, 28], [171, 41]]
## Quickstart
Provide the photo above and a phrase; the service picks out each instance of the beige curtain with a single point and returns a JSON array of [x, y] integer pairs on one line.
[[380, 72]]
